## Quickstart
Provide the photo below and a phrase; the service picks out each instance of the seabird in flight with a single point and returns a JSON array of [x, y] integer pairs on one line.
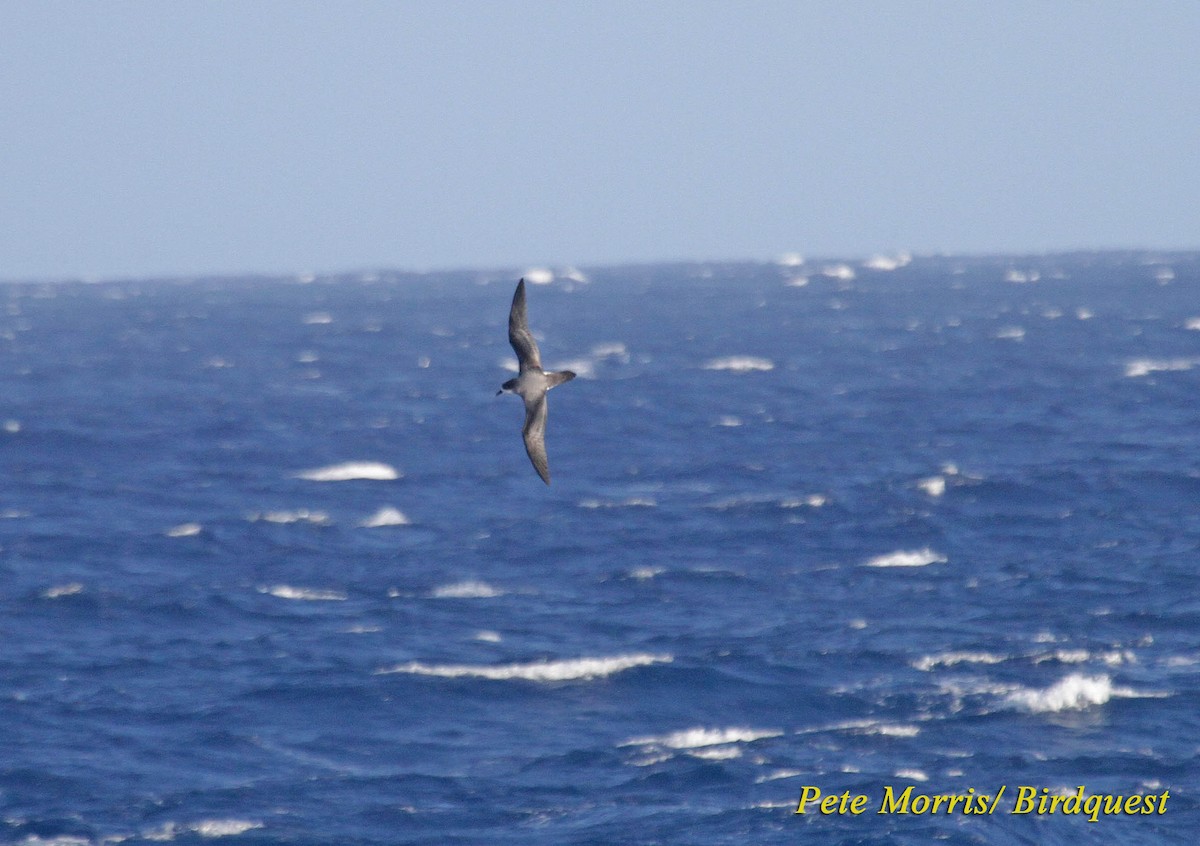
[[531, 383]]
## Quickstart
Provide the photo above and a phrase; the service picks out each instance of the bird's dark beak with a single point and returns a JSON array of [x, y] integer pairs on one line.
[[499, 392]]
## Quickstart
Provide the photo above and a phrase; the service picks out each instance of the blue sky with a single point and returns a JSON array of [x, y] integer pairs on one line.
[[170, 139]]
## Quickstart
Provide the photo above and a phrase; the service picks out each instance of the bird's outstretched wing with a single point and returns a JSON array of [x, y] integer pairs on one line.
[[535, 435], [519, 335]]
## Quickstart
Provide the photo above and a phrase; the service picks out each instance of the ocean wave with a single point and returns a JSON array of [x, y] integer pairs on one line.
[[299, 515], [385, 516], [631, 502], [1138, 367], [70, 589], [350, 470], [888, 263], [739, 363], [949, 659], [184, 530], [868, 726], [1075, 692], [570, 669], [907, 558], [466, 590], [303, 594], [695, 738]]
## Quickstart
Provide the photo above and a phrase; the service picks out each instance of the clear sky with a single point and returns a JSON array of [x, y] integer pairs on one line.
[[176, 138]]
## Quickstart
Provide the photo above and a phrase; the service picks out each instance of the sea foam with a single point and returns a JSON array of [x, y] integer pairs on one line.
[[351, 470], [1072, 693], [303, 594], [571, 669], [740, 363], [386, 516], [903, 558], [694, 738]]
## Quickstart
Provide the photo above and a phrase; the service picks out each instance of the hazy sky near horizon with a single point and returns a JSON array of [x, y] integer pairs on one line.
[[170, 139]]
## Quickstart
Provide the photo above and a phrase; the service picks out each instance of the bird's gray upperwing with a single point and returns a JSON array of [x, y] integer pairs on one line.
[[519, 336], [535, 435]]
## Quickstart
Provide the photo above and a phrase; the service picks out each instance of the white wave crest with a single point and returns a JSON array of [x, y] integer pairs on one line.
[[695, 738], [299, 515], [1145, 366], [350, 470], [57, 591], [571, 669], [906, 558], [934, 486], [466, 590], [223, 828], [631, 502], [386, 516], [303, 594], [869, 727], [949, 659], [740, 363], [887, 263], [184, 530], [1072, 693]]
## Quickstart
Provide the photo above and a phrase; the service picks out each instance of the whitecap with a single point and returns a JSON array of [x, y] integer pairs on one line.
[[350, 470], [70, 589], [1021, 277], [488, 636], [539, 276], [1145, 366], [740, 363], [318, 318], [728, 421], [385, 516], [797, 282], [570, 669], [888, 263], [716, 753], [646, 573], [695, 738], [1010, 333], [812, 501], [1075, 692], [907, 558], [466, 590], [790, 260], [844, 272], [949, 659], [223, 828], [775, 775], [630, 502], [284, 517], [184, 530], [611, 349], [935, 486], [12, 426], [1192, 323], [869, 727], [303, 594], [912, 775]]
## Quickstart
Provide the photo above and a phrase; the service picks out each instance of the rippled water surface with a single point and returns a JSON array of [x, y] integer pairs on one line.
[[274, 567]]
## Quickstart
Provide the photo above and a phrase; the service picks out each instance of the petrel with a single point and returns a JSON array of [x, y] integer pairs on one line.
[[531, 383]]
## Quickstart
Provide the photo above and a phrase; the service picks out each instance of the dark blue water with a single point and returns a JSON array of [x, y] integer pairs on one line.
[[274, 568]]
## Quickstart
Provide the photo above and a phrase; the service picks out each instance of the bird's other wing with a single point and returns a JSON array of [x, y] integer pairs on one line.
[[518, 333], [535, 435]]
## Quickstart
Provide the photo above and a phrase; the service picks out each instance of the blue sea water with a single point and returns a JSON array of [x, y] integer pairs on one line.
[[274, 568]]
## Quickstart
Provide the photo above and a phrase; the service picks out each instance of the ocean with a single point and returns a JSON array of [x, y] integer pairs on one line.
[[275, 569]]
